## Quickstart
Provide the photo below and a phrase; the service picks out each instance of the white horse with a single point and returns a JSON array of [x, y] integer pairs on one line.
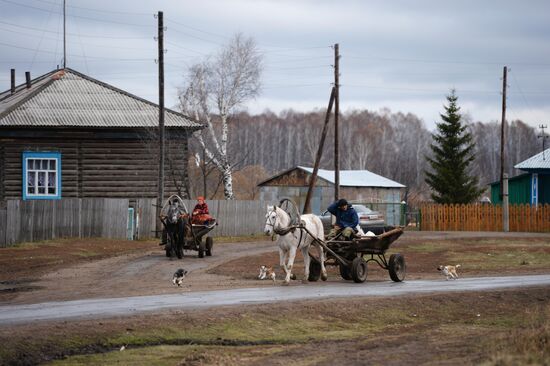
[[278, 221]]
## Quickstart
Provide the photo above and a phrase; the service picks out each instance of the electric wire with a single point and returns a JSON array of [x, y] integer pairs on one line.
[[78, 16]]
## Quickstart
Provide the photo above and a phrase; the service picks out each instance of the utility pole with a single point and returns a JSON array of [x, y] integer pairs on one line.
[[504, 176], [160, 196], [543, 136], [336, 113], [502, 125], [64, 36], [313, 179]]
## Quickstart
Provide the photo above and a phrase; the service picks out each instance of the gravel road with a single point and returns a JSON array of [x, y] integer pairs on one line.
[[125, 306]]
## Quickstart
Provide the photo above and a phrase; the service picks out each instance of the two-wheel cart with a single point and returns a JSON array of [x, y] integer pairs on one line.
[[181, 234], [352, 256]]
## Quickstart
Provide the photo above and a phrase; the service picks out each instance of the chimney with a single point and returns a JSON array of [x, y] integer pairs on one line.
[[28, 79], [12, 81]]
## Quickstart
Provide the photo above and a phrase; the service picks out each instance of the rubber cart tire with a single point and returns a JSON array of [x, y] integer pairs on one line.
[[314, 270], [397, 267], [202, 249], [209, 245], [345, 272], [359, 270]]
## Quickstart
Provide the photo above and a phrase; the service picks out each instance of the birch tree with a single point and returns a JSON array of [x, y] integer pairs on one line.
[[215, 89]]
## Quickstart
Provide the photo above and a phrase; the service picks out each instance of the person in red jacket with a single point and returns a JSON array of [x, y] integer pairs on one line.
[[201, 216]]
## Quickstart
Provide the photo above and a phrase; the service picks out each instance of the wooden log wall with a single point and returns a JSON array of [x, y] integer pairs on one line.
[[484, 217], [98, 167]]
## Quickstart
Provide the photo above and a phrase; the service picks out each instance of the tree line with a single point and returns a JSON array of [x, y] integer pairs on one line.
[[394, 145]]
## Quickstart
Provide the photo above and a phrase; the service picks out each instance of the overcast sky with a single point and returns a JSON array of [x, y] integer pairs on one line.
[[400, 55]]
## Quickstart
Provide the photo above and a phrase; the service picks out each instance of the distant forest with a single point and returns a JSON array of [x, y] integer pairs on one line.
[[394, 145]]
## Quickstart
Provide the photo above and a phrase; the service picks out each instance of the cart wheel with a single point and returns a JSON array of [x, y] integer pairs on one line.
[[359, 270], [202, 249], [345, 272], [397, 267], [209, 245], [314, 270]]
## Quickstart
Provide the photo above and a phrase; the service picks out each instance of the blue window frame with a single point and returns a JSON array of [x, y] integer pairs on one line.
[[41, 175]]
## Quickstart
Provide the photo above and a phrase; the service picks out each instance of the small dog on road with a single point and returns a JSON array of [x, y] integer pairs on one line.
[[178, 277], [266, 272], [450, 272]]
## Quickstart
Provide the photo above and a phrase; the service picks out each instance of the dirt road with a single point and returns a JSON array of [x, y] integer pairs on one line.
[[100, 308]]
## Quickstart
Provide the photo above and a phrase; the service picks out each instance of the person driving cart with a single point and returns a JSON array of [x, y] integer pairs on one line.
[[201, 216], [346, 219]]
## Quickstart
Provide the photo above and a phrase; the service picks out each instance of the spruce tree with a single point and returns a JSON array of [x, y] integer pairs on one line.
[[452, 150]]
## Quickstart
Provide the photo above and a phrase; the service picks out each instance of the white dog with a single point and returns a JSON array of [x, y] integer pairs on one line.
[[450, 272], [178, 277], [266, 272]]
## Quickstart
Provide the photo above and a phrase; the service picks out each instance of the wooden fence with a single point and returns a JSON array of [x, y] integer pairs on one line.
[[235, 218], [484, 217], [35, 220]]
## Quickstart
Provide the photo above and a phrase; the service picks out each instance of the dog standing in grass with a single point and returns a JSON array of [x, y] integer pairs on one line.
[[450, 272]]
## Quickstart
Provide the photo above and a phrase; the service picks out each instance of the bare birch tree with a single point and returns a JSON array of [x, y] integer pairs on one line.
[[215, 89]]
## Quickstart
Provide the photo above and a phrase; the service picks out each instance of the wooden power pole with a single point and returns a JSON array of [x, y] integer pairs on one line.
[[504, 176], [313, 179], [543, 136], [502, 130], [336, 113], [160, 196]]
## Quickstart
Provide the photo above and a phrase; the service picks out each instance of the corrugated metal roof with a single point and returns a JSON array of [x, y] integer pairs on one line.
[[67, 98], [539, 161], [356, 178]]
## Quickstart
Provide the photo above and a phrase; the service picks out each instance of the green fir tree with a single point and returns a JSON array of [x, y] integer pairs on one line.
[[452, 154]]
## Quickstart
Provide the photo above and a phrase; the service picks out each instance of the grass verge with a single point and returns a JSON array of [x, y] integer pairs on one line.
[[467, 328]]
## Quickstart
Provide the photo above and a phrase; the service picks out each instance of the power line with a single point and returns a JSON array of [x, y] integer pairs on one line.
[[443, 61], [198, 30], [79, 16], [97, 10], [68, 33], [41, 39]]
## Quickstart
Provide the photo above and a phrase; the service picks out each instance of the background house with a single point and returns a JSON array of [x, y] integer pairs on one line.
[[66, 135], [359, 186], [532, 187]]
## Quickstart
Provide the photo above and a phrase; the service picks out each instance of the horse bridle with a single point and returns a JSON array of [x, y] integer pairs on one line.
[[284, 231]]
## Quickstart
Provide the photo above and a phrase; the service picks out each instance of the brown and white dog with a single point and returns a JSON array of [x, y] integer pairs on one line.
[[266, 272], [450, 272]]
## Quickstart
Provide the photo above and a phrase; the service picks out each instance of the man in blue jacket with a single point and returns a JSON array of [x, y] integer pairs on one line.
[[346, 219]]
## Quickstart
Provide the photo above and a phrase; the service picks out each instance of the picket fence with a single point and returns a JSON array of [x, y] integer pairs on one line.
[[484, 217], [36, 220]]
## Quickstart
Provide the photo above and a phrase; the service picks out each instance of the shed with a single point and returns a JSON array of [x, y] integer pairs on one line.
[[532, 187], [359, 186], [65, 134]]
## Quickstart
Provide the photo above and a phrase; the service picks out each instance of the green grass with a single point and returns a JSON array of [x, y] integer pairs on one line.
[[496, 260]]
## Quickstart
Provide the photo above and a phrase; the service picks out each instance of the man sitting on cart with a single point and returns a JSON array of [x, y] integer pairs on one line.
[[201, 216], [346, 219]]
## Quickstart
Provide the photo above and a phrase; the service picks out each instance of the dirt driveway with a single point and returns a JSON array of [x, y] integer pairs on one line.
[[78, 269]]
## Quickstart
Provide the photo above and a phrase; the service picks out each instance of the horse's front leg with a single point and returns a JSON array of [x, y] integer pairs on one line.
[[307, 260], [321, 254], [283, 255], [291, 254]]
